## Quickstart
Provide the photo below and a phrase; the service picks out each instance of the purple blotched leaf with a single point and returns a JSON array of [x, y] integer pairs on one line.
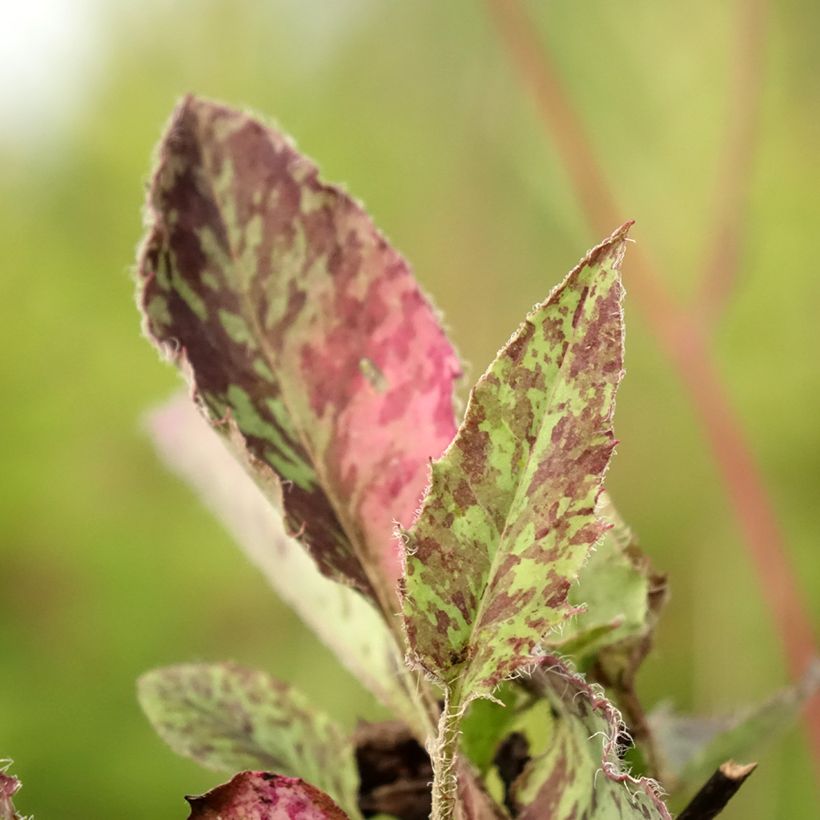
[[297, 322]]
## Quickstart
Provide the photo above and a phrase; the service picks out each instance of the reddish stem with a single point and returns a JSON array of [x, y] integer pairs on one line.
[[684, 342], [722, 262]]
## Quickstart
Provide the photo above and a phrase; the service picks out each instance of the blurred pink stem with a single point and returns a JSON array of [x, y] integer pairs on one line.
[[684, 342], [722, 262]]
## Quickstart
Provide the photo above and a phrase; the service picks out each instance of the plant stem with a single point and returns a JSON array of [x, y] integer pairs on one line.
[[443, 755]]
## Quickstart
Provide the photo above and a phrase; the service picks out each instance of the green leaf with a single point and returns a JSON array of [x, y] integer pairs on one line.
[[486, 723], [619, 596], [293, 317], [342, 619], [691, 748], [508, 519], [264, 796], [576, 771], [229, 718]]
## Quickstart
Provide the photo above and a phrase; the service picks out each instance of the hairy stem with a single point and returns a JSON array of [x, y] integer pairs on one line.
[[443, 756]]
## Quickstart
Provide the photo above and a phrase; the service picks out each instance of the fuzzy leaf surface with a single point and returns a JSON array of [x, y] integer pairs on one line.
[[342, 619], [264, 796], [293, 316], [229, 718], [508, 519], [577, 772]]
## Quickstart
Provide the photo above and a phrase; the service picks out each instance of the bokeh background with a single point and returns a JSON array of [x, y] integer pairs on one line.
[[109, 566]]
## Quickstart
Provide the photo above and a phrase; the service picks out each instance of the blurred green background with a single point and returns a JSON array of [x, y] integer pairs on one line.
[[109, 566]]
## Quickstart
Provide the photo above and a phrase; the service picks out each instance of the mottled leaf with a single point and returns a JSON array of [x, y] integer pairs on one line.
[[9, 786], [576, 771], [508, 519], [691, 748], [342, 619], [228, 718], [264, 796], [294, 317]]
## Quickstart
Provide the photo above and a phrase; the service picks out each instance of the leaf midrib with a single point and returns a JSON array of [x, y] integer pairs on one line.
[[358, 548]]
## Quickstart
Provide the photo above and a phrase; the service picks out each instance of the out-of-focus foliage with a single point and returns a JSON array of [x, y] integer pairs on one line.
[[108, 565]]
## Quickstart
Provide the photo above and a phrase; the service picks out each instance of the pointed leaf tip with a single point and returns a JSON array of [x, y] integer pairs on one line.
[[509, 517]]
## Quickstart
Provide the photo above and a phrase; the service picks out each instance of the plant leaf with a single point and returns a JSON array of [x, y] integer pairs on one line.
[[508, 519], [621, 597], [9, 786], [578, 772], [691, 748], [296, 319], [342, 619], [229, 718], [264, 796]]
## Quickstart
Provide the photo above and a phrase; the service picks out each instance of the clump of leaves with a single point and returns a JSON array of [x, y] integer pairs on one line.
[[493, 601]]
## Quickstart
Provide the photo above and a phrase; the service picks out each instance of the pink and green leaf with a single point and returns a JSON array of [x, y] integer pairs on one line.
[[509, 517], [295, 319], [341, 618], [264, 796], [229, 718]]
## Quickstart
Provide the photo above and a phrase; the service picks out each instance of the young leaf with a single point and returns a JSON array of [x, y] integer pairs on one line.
[[508, 519], [9, 786], [343, 620], [228, 718], [296, 319], [264, 796], [575, 774]]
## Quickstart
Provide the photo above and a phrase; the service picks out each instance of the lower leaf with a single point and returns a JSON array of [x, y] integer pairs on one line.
[[578, 771], [229, 718]]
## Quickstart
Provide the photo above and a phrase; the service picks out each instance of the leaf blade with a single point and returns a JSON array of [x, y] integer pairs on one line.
[[296, 318], [569, 778], [228, 718], [508, 518]]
